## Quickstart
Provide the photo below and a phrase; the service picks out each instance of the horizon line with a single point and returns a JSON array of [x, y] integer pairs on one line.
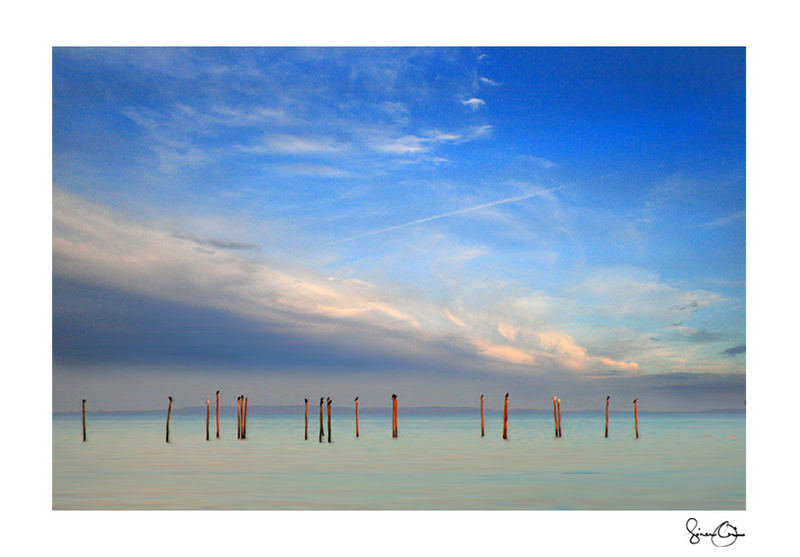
[[388, 409]]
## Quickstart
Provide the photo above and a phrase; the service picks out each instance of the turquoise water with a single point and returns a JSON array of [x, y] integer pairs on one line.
[[680, 461]]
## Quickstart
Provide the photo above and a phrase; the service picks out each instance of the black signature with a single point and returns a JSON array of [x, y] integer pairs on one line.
[[722, 536]]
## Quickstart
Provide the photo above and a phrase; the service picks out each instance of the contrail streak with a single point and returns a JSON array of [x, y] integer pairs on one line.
[[444, 215]]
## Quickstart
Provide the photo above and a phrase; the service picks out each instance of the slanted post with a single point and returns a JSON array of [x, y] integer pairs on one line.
[[169, 413]]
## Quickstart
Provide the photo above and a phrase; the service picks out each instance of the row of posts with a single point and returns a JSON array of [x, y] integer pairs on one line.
[[241, 417]]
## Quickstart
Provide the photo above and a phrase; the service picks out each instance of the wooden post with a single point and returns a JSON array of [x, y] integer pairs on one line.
[[555, 417], [83, 418], [208, 418], [217, 414], [321, 420], [482, 432], [306, 438], [558, 404], [238, 417], [356, 401], [329, 419], [244, 421], [169, 413], [505, 418], [607, 400], [394, 416], [241, 414], [636, 415]]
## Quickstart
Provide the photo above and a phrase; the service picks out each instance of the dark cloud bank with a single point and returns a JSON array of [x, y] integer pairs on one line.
[[125, 351], [734, 350]]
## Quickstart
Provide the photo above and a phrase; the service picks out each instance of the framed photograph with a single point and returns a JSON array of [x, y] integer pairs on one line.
[[428, 278]]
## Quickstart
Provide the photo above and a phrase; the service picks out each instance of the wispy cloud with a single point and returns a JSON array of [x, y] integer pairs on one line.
[[454, 319], [487, 81], [169, 140], [245, 116], [404, 145], [411, 144], [695, 335], [474, 103], [294, 145], [318, 170], [540, 162], [478, 132], [667, 194], [507, 330], [722, 221], [564, 349], [440, 136], [305, 116], [504, 353], [397, 110], [621, 291]]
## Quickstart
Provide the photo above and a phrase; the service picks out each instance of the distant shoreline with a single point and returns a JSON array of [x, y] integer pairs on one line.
[[411, 410]]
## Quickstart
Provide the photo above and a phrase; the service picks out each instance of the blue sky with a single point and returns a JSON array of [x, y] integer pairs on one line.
[[433, 222]]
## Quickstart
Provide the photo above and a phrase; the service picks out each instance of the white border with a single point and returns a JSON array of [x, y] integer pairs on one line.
[[31, 30]]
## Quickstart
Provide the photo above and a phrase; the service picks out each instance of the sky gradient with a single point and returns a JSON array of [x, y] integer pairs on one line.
[[433, 222]]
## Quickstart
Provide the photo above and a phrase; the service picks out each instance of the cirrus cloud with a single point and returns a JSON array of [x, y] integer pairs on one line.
[[474, 103]]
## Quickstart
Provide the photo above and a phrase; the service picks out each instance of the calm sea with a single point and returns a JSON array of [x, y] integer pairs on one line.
[[680, 461]]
